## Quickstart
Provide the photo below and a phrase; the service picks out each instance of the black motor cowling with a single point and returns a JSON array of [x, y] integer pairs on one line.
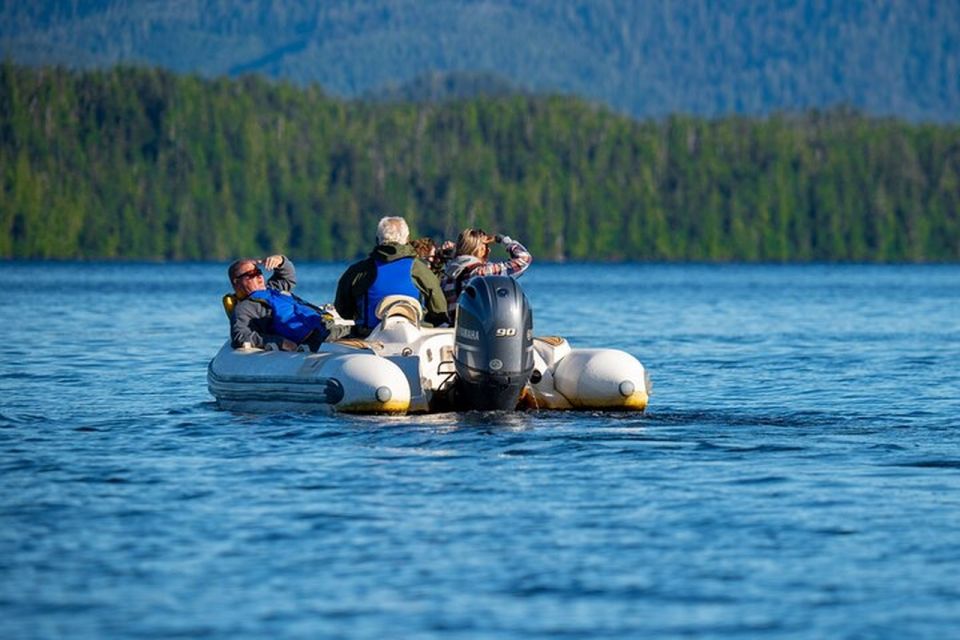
[[493, 349]]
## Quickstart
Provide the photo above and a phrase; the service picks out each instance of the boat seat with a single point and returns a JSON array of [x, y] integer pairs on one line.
[[400, 306], [229, 303]]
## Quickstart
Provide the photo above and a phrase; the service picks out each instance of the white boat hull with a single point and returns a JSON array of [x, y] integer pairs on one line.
[[402, 368], [257, 380]]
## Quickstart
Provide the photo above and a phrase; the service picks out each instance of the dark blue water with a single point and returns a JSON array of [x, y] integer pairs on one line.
[[797, 474]]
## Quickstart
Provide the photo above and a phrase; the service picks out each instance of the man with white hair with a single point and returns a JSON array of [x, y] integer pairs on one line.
[[392, 268]]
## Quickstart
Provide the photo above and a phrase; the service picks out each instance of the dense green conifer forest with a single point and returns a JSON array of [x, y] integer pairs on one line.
[[141, 163]]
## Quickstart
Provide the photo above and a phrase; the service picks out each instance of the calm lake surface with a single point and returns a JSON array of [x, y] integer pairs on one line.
[[797, 474]]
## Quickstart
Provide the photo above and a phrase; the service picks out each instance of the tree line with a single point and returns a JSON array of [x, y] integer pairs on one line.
[[141, 163]]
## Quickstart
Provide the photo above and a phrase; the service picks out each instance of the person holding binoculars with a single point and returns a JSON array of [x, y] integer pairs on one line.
[[471, 259]]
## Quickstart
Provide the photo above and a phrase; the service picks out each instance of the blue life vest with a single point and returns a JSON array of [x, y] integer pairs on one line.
[[291, 319], [393, 279]]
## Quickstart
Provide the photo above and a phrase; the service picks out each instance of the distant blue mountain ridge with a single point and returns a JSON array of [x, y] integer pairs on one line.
[[645, 58]]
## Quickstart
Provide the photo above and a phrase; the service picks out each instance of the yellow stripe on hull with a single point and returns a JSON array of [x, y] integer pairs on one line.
[[391, 406]]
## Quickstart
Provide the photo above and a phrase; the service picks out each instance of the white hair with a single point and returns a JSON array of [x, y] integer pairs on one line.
[[392, 229]]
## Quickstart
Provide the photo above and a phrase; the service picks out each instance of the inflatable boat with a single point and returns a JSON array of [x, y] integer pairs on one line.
[[489, 360]]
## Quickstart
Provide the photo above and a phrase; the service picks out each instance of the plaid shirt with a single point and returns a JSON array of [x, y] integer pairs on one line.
[[462, 268]]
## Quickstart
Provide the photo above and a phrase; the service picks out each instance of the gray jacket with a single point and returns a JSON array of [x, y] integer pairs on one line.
[[251, 319]]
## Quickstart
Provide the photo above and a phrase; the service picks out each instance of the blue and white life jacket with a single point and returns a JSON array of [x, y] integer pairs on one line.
[[292, 318], [393, 278]]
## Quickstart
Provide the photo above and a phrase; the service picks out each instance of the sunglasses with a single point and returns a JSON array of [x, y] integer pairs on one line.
[[253, 273]]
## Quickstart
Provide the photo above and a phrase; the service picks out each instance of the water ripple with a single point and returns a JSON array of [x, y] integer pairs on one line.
[[794, 475]]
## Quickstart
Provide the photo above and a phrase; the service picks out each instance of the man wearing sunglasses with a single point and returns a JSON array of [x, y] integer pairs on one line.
[[267, 312]]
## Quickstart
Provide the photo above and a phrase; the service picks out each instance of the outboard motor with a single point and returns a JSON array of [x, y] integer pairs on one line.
[[493, 348]]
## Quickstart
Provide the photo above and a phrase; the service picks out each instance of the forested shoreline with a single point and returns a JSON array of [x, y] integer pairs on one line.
[[144, 164]]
